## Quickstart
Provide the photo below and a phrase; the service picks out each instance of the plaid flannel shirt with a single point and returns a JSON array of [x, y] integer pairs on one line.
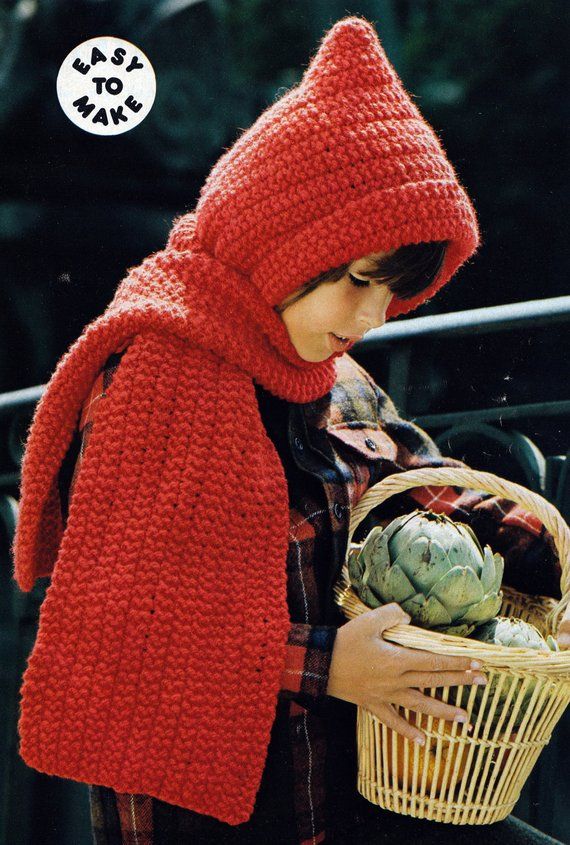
[[332, 450]]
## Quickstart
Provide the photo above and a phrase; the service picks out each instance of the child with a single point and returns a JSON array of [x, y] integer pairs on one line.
[[187, 665]]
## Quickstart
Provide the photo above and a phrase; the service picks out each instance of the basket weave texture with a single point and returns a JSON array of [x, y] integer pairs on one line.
[[460, 777]]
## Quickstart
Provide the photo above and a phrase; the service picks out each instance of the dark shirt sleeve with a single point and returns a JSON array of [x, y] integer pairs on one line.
[[308, 658], [531, 560]]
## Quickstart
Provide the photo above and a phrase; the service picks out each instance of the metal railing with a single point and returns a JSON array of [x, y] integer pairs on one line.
[[402, 335], [544, 474]]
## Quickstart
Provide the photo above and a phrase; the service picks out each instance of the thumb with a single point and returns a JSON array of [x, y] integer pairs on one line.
[[389, 615]]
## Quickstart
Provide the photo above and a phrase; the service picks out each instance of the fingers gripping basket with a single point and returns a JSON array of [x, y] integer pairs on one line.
[[460, 777]]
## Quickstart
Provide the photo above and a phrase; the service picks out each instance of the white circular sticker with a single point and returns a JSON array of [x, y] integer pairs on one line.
[[106, 85]]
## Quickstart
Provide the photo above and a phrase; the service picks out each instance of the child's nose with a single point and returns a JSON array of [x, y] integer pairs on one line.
[[373, 316]]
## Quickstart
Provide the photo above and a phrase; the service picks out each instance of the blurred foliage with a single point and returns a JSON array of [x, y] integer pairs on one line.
[[270, 42], [492, 79]]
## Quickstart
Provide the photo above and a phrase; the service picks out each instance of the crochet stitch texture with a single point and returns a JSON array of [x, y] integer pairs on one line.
[[162, 635]]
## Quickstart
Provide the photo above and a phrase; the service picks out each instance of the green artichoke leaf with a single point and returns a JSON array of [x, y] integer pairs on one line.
[[399, 523], [483, 610], [488, 572], [368, 597], [432, 614], [424, 561], [499, 570], [470, 537], [373, 535], [413, 605], [464, 553], [390, 583], [405, 530], [355, 567], [371, 544], [379, 536], [458, 590], [379, 575], [403, 535], [355, 573], [374, 552]]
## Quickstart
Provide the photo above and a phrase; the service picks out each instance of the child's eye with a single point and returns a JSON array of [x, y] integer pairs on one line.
[[359, 283]]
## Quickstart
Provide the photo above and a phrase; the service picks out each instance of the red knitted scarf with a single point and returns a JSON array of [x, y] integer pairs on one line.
[[163, 632]]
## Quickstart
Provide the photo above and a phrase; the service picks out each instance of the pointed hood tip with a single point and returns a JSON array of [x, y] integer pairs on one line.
[[352, 24], [349, 47], [271, 219]]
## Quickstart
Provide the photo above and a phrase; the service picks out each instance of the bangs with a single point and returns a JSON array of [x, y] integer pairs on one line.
[[410, 270]]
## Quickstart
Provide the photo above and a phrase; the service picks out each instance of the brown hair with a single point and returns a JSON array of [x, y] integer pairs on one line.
[[407, 271]]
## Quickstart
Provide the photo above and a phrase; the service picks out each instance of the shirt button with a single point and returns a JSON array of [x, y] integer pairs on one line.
[[299, 444], [337, 510], [371, 444]]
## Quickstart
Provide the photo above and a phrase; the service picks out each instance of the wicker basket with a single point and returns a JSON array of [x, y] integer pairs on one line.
[[460, 777]]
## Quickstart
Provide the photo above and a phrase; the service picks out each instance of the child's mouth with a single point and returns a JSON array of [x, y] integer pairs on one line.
[[338, 343]]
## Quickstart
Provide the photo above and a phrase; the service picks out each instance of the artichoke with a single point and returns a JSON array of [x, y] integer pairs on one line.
[[513, 633], [433, 567]]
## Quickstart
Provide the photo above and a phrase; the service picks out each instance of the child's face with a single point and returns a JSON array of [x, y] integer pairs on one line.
[[338, 307]]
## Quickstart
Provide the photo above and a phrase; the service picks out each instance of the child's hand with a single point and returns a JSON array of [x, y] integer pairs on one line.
[[376, 674]]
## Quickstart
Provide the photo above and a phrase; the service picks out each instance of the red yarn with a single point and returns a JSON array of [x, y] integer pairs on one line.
[[162, 636]]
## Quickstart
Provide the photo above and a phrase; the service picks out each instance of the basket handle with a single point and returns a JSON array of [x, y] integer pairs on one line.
[[490, 483]]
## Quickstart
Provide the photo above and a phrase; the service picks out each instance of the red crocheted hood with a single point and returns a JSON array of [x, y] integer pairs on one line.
[[342, 165], [136, 680]]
